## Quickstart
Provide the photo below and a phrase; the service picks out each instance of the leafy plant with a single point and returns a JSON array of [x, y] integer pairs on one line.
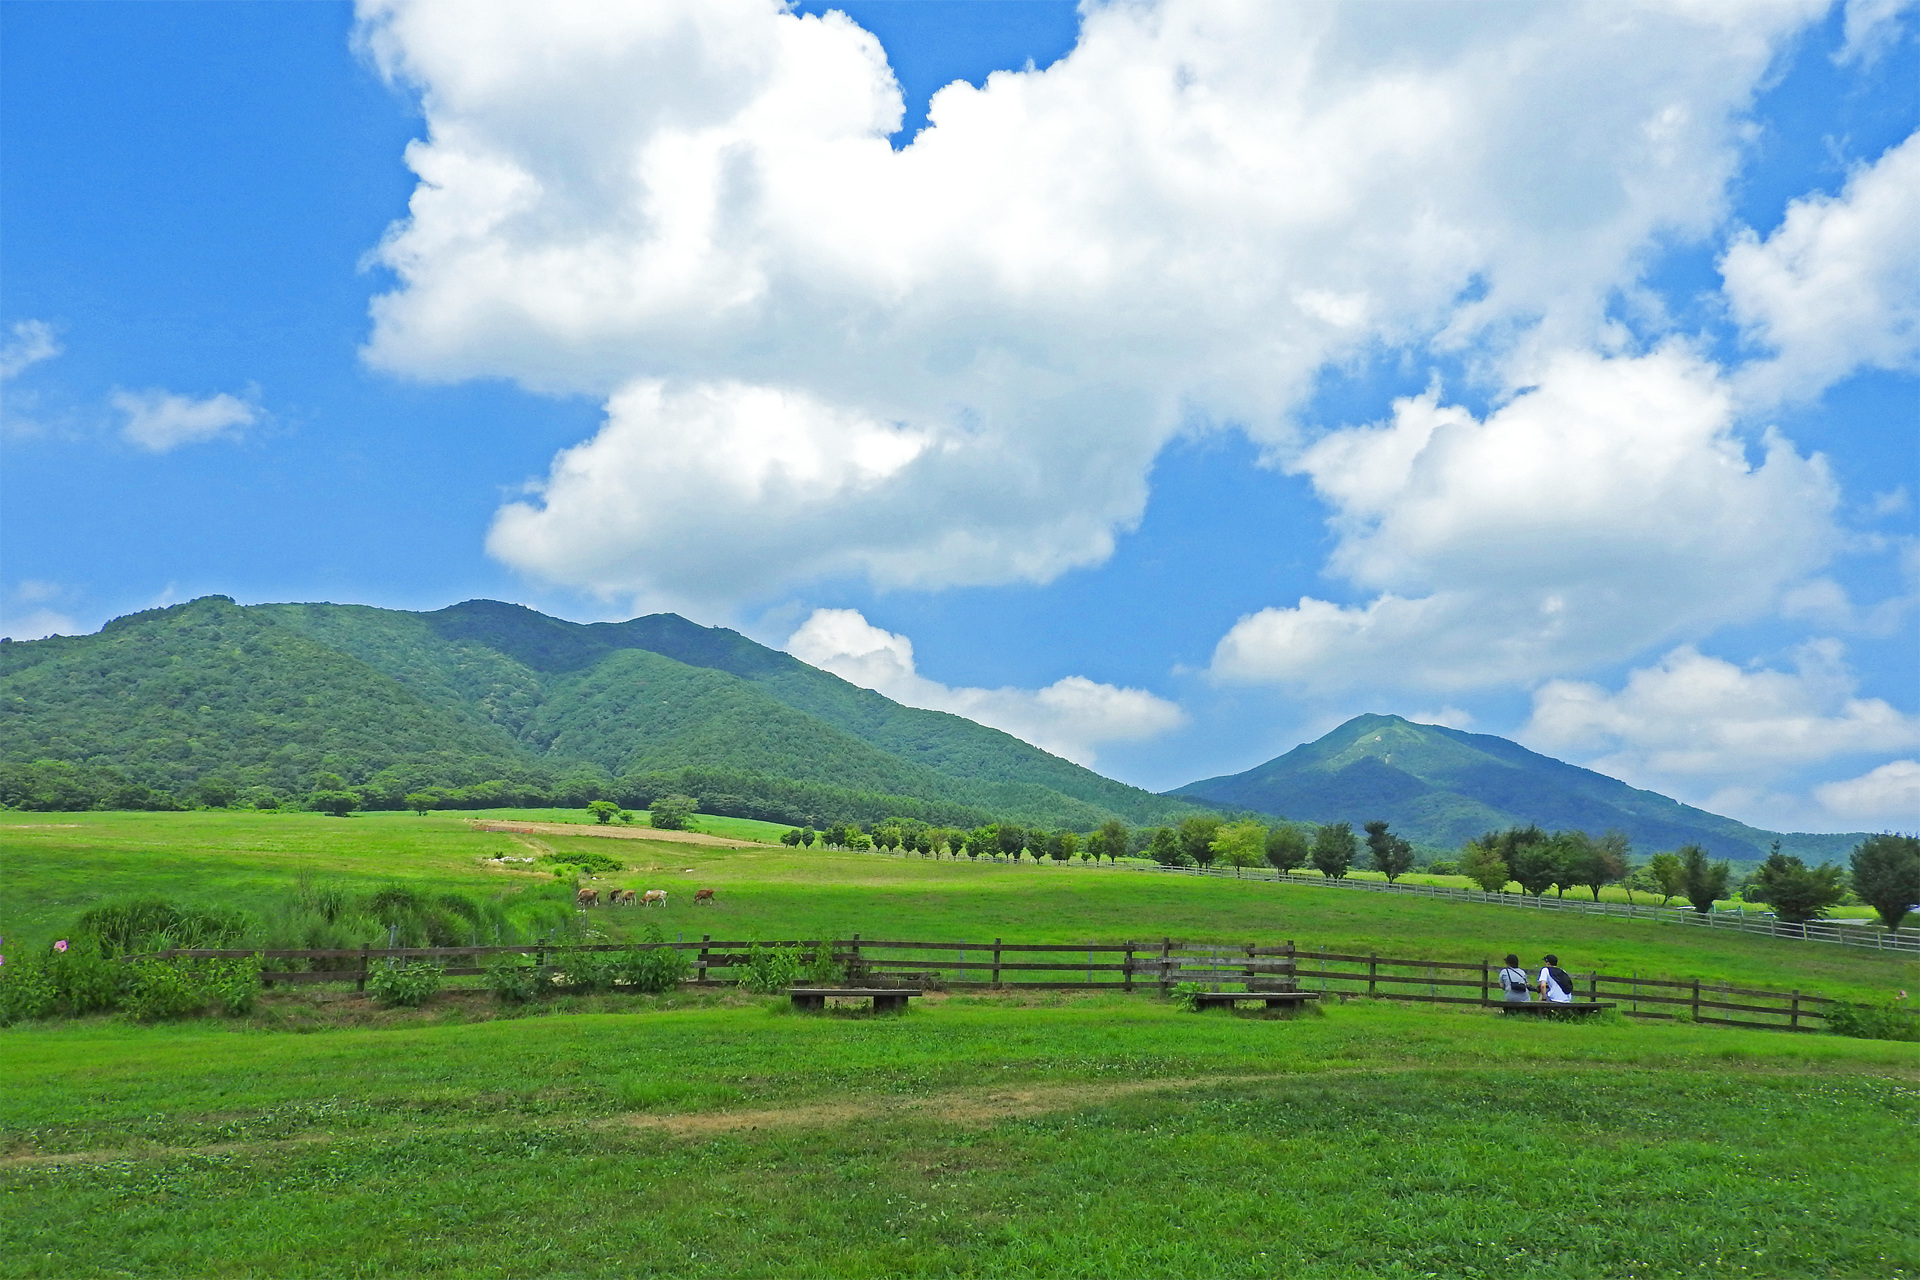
[[85, 980], [769, 970], [1186, 996], [233, 983], [160, 989], [406, 984], [653, 969], [26, 990], [1874, 1021], [582, 970], [512, 979]]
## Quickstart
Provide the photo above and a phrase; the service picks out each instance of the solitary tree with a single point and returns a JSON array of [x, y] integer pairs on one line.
[[807, 836], [1012, 838], [1392, 855], [1109, 842], [982, 840], [420, 801], [1287, 847], [1482, 863], [1668, 875], [1333, 849], [1703, 882], [1531, 857], [1799, 893], [673, 812], [1605, 861], [1886, 875], [603, 811], [1063, 846], [1164, 848], [337, 803], [1241, 844], [1196, 837], [790, 837]]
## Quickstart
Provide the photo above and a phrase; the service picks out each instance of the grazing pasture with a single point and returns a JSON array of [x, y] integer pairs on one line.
[[709, 1132]]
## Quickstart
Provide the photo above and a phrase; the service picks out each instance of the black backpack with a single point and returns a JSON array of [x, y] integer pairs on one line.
[[1560, 978]]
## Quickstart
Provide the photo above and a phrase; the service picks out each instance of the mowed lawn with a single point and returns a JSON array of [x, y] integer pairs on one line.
[[976, 1135], [54, 866]]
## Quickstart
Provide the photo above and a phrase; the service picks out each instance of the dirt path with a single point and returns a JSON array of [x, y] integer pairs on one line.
[[613, 833]]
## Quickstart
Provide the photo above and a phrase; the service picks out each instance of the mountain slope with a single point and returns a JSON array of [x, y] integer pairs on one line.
[[1441, 787], [490, 690]]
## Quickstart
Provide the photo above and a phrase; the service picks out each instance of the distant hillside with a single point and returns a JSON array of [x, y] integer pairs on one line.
[[1441, 787], [275, 695]]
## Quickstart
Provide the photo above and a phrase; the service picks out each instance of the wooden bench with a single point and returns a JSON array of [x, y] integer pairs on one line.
[[885, 999], [1272, 999], [1552, 1009]]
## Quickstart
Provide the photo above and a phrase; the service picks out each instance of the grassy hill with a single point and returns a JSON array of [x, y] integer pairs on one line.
[[1441, 787], [276, 696]]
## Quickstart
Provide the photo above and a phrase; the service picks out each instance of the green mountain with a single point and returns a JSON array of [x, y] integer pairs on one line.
[[1441, 787], [213, 694]]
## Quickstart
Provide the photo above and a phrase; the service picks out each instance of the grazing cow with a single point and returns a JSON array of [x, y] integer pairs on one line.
[[586, 898], [628, 897], [656, 898], [702, 895]]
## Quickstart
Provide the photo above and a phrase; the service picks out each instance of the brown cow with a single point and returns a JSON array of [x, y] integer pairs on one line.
[[586, 898], [655, 898], [628, 897], [702, 895]]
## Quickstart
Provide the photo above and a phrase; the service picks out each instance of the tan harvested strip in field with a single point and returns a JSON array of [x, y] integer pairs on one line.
[[613, 833]]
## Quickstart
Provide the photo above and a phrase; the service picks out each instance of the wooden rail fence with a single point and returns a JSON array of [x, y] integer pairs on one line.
[[1151, 965]]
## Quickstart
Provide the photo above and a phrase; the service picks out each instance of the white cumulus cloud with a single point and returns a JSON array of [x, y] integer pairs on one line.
[[159, 421], [968, 352], [31, 342], [1609, 507], [1717, 733], [1837, 287], [1069, 717], [1888, 796]]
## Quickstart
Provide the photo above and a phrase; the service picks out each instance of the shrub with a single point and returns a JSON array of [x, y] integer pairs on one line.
[[512, 980], [26, 990], [673, 812], [233, 983], [161, 989], [653, 969], [1184, 996], [587, 970], [404, 984], [1873, 1021], [85, 980], [1443, 867], [154, 924], [769, 970], [586, 864]]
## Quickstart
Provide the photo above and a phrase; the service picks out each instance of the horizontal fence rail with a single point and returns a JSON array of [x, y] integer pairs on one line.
[[1156, 965]]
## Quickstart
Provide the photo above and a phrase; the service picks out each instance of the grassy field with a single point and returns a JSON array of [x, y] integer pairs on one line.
[[57, 867], [1024, 1133], [974, 1136]]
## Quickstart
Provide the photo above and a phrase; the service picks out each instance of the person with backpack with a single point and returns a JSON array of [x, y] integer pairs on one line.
[[1514, 986], [1556, 985]]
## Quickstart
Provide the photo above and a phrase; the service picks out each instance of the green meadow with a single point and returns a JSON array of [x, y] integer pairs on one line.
[[1020, 1133]]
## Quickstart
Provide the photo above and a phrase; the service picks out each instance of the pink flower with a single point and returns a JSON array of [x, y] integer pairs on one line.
[[60, 945]]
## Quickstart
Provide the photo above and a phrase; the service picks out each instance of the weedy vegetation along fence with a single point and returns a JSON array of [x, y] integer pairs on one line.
[[1149, 966]]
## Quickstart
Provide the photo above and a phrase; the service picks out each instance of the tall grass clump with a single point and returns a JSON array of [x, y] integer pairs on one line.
[[327, 917]]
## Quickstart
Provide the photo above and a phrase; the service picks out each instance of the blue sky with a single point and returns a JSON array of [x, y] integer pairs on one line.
[[1204, 377]]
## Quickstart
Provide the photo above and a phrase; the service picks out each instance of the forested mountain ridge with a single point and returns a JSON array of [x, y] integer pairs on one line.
[[276, 695], [1440, 787]]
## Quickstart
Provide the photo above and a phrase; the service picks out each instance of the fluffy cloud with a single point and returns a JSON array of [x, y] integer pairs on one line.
[[1069, 717], [160, 420], [1609, 507], [968, 352], [32, 342], [1886, 797], [1719, 733], [1837, 286]]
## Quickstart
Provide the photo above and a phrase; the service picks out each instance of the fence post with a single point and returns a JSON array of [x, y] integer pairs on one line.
[[1593, 985], [1166, 964], [1794, 1020], [1126, 970], [1486, 979], [704, 939], [1248, 982], [361, 985], [1696, 999], [996, 962], [1373, 970]]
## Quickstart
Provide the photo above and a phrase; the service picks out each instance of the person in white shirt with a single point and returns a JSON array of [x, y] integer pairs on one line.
[[1556, 987], [1514, 986]]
